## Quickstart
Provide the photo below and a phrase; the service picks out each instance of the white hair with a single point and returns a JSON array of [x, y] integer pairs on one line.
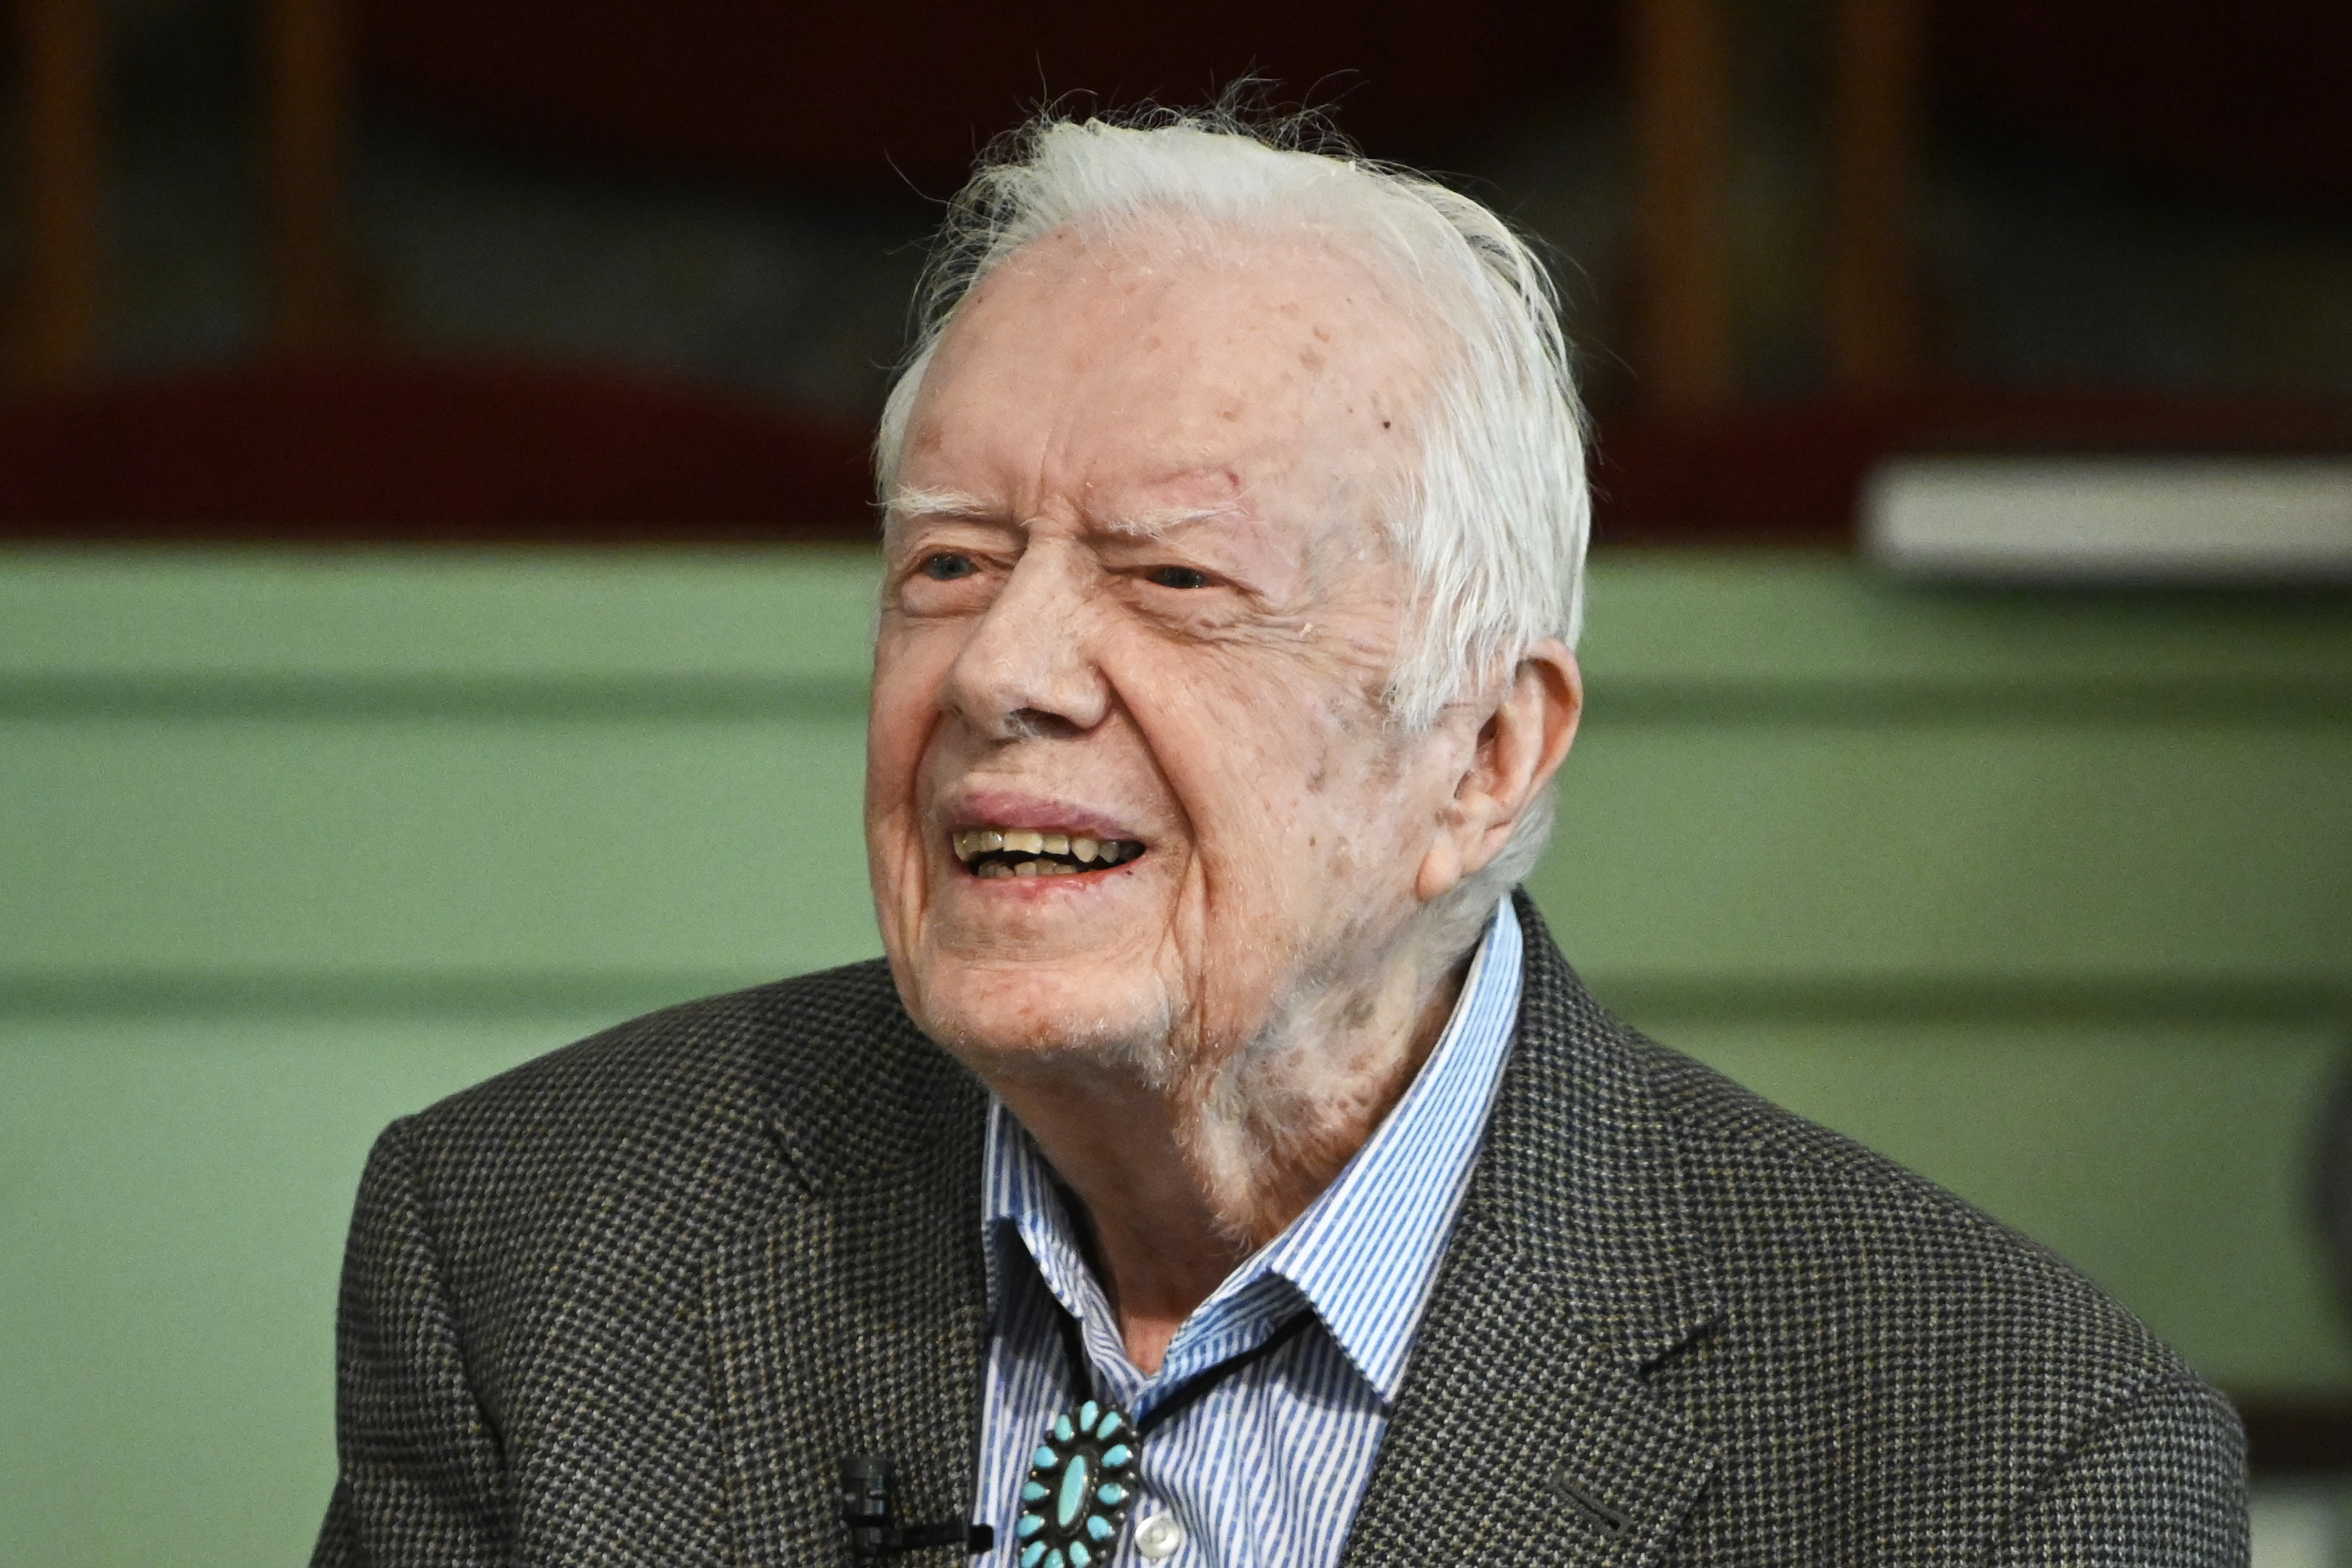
[[1491, 524]]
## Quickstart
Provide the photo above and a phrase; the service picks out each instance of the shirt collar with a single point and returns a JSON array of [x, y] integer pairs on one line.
[[1364, 1254]]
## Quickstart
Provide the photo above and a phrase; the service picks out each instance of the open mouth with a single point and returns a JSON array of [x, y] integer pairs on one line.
[[993, 852]]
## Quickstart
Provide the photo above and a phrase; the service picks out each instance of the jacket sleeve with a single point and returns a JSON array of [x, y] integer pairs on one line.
[[2160, 1482], [420, 1478]]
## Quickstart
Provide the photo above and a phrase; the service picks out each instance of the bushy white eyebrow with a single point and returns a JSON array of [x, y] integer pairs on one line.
[[1153, 524], [913, 504], [917, 505]]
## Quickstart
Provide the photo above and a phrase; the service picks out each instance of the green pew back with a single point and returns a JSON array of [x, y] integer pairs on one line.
[[2048, 895]]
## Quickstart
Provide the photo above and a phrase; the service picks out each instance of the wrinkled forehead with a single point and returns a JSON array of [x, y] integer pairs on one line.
[[1166, 350]]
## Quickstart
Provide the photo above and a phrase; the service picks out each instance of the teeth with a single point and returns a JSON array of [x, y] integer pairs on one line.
[[971, 843]]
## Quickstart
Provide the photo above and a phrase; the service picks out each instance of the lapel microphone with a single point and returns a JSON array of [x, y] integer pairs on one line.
[[869, 1507]]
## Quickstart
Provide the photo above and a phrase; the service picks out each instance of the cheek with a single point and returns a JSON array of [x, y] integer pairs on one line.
[[1263, 774], [1355, 803], [900, 718]]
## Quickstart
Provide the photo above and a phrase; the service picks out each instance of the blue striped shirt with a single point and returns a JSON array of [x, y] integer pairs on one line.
[[1266, 1469]]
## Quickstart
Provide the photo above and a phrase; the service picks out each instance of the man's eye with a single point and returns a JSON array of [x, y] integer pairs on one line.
[[947, 568], [1179, 577]]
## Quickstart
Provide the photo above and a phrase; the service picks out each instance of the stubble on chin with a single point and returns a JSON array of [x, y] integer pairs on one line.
[[1263, 1122], [1004, 1043], [1251, 1121]]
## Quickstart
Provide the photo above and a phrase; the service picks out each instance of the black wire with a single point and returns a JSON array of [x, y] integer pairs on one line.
[[1193, 1387]]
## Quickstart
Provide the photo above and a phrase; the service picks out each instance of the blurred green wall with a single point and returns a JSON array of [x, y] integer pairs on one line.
[[2048, 895]]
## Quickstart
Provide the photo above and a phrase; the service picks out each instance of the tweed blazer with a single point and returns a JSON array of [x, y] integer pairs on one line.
[[633, 1303]]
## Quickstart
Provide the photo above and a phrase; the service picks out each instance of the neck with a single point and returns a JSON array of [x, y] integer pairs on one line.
[[1181, 1181]]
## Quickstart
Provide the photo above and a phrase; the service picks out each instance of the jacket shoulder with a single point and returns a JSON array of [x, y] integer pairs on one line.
[[2018, 1402], [707, 1065], [682, 1118], [1813, 1234]]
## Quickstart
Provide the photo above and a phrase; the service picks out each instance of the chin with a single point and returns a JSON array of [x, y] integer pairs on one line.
[[1002, 1023]]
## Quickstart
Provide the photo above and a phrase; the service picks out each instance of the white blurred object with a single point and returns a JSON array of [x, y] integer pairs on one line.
[[2166, 519], [2296, 1526]]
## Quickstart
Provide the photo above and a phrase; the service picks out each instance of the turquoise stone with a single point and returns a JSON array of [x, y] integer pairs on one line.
[[1061, 1428], [1111, 1494], [1031, 1491], [1110, 1424], [1045, 1458], [1118, 1454], [1054, 1558], [1073, 1492], [1087, 1414], [1099, 1527], [1030, 1523], [1029, 1555], [1080, 1555]]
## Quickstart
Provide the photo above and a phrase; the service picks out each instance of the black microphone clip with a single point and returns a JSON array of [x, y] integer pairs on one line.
[[869, 1507]]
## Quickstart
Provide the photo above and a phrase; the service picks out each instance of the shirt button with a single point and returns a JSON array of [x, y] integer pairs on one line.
[[1159, 1536]]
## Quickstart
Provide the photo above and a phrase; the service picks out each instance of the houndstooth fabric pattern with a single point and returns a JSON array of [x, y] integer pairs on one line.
[[633, 1303]]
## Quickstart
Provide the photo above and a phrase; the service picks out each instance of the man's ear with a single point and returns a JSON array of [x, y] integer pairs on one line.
[[1519, 747]]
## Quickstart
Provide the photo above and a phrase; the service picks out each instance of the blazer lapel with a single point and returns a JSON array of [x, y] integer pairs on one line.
[[850, 1316], [1526, 1431]]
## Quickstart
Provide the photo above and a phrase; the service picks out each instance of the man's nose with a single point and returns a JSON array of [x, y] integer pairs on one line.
[[1029, 669]]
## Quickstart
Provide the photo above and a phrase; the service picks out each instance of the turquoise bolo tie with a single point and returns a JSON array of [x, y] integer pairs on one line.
[[1081, 1479]]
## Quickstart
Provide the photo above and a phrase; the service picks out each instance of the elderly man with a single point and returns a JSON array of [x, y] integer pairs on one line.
[[1225, 1168]]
